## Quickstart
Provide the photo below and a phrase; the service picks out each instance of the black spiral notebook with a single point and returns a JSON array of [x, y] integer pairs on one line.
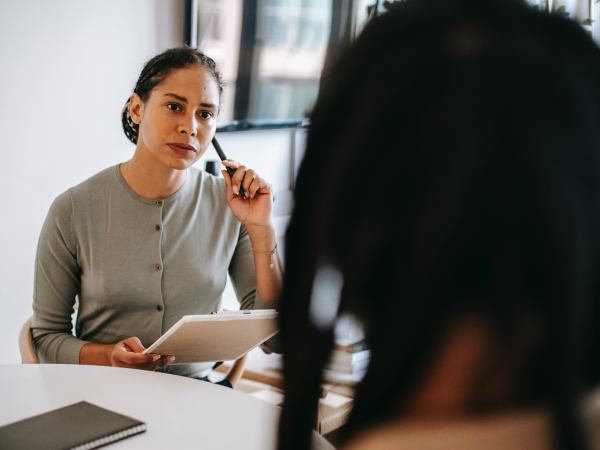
[[80, 426]]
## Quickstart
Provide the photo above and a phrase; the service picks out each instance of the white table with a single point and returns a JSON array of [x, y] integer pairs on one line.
[[180, 413]]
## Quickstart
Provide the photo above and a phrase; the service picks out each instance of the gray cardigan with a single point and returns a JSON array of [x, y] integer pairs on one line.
[[136, 265]]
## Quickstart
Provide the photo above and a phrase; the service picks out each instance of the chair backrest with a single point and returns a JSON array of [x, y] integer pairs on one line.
[[28, 354]]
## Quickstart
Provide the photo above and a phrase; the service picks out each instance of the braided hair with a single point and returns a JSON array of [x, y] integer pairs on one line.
[[156, 70]]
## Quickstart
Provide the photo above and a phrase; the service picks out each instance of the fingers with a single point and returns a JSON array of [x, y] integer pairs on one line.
[[237, 179], [166, 360], [248, 178], [134, 344], [163, 361], [123, 356], [131, 358], [238, 174], [128, 353], [258, 186], [244, 179]]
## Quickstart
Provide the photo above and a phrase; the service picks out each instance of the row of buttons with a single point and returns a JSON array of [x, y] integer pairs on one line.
[[157, 227], [157, 267]]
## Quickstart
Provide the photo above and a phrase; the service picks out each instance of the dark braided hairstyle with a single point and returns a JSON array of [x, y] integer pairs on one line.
[[155, 71], [483, 117]]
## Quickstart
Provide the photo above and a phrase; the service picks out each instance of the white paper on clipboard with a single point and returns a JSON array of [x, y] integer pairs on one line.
[[223, 336]]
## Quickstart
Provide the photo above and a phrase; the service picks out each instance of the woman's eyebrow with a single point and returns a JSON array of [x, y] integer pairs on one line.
[[176, 97], [184, 100]]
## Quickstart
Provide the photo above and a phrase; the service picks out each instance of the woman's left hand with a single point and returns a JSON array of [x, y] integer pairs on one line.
[[255, 209]]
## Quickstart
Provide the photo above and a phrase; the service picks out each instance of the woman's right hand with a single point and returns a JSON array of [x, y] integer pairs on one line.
[[129, 353]]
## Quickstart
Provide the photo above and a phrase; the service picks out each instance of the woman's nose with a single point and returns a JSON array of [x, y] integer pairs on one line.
[[188, 127], [183, 130]]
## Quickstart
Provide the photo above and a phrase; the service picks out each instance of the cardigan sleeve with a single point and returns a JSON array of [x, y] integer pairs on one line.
[[243, 274], [243, 277], [56, 285]]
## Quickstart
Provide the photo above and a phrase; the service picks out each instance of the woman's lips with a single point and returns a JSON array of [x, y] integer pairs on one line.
[[182, 149]]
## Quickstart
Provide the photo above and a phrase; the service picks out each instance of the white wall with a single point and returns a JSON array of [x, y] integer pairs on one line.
[[67, 68]]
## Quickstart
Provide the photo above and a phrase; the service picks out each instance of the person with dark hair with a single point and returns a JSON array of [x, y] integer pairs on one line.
[[145, 242], [471, 256]]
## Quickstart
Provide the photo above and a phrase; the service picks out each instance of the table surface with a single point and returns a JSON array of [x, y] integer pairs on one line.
[[179, 412]]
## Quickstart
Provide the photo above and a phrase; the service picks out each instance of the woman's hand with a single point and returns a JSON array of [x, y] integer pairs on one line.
[[255, 209], [128, 353]]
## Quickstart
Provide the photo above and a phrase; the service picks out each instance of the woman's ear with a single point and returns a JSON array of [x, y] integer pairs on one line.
[[136, 108]]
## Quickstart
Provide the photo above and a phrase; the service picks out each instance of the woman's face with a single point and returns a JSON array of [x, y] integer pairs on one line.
[[178, 120]]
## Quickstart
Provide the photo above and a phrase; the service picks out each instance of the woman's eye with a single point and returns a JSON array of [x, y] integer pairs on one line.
[[174, 107], [206, 114]]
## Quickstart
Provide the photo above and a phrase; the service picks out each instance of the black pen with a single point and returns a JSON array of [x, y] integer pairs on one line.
[[230, 171]]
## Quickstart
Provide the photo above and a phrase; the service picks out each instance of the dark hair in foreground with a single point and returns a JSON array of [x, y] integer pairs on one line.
[[480, 120], [155, 71]]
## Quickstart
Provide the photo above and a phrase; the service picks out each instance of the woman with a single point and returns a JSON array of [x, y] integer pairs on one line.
[[471, 254], [147, 241]]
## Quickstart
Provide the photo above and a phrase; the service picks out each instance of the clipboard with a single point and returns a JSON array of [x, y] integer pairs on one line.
[[221, 336]]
